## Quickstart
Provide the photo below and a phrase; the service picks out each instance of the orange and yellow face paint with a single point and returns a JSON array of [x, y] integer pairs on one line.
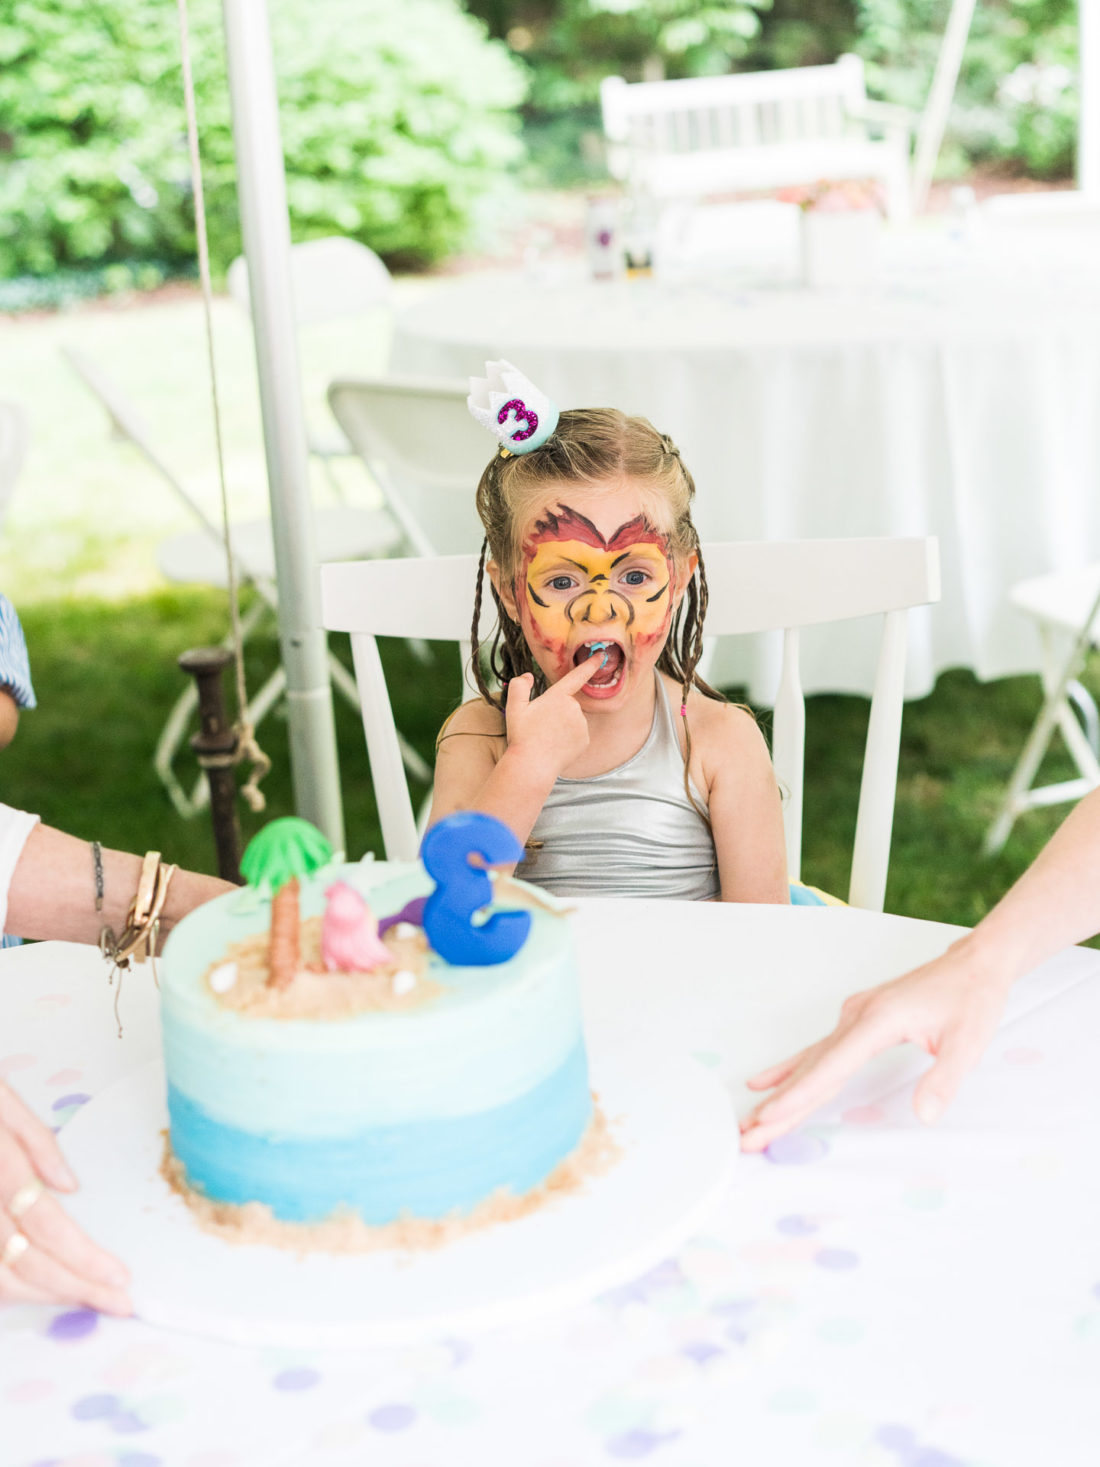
[[575, 587]]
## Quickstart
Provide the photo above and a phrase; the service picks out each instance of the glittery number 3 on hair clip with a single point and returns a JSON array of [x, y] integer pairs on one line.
[[523, 414], [462, 890], [517, 413]]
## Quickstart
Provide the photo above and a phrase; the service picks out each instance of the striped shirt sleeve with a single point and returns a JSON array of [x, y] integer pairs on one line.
[[15, 667]]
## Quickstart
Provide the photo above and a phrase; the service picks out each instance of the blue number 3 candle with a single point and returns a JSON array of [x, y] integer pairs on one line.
[[462, 890]]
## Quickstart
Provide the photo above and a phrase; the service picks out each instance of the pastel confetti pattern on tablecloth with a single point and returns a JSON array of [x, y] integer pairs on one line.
[[788, 1330]]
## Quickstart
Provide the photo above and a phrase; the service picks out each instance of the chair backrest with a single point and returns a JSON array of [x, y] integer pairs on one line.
[[14, 437], [331, 278], [709, 113], [754, 587], [424, 449]]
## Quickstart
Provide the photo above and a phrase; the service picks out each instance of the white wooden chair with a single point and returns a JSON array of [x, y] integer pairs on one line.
[[754, 587], [755, 130], [423, 449], [1065, 606], [332, 279]]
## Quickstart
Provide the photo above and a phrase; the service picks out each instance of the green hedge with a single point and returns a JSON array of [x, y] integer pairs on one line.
[[395, 118]]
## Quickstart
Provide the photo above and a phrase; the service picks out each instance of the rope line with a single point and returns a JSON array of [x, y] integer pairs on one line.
[[247, 746]]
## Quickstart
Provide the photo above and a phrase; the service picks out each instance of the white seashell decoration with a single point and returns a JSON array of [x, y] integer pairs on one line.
[[223, 977], [403, 982]]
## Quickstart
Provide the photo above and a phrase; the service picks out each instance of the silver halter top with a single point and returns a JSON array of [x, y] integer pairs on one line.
[[631, 832]]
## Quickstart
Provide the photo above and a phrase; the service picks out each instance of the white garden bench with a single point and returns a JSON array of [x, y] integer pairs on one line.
[[758, 130]]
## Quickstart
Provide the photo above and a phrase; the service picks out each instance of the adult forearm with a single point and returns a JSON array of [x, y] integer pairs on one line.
[[53, 890], [1054, 904]]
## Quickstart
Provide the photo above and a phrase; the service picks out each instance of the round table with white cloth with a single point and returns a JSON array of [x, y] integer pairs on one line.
[[869, 1291], [958, 395]]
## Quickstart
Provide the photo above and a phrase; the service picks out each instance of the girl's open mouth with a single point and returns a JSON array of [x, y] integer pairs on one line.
[[608, 676]]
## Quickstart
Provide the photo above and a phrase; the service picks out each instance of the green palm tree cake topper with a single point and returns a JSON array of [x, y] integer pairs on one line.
[[274, 860]]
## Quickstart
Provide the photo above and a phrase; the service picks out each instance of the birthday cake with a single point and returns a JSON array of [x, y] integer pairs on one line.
[[332, 1073]]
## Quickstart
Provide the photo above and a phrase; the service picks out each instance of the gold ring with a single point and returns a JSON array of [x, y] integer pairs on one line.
[[14, 1249], [25, 1198]]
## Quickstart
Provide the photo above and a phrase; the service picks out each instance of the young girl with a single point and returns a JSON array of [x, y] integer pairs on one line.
[[623, 772]]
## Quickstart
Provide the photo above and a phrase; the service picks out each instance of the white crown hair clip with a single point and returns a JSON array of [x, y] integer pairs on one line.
[[516, 413]]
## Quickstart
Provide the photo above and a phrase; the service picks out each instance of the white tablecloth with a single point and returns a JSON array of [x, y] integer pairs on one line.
[[870, 1292], [960, 396]]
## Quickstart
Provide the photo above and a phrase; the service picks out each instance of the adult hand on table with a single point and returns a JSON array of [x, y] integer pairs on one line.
[[44, 1257], [950, 1007]]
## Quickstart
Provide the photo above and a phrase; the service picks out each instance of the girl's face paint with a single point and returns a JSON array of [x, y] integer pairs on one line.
[[598, 573]]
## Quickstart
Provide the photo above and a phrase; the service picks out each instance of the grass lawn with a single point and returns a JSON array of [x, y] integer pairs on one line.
[[106, 675], [77, 555]]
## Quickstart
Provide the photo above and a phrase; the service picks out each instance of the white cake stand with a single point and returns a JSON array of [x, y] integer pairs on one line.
[[673, 1121]]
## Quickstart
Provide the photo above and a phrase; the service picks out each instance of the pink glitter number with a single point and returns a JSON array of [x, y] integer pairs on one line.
[[523, 414]]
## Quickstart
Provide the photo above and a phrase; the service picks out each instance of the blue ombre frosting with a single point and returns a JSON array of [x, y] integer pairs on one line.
[[421, 1112], [423, 1168]]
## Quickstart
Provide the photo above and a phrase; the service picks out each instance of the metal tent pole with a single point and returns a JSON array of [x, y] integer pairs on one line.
[[265, 228]]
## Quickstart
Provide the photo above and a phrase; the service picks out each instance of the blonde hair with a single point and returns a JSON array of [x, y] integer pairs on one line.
[[590, 448]]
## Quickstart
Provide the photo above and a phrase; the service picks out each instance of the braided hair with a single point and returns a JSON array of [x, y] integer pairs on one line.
[[590, 447]]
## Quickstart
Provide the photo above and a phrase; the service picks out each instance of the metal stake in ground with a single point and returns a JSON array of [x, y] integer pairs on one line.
[[215, 747]]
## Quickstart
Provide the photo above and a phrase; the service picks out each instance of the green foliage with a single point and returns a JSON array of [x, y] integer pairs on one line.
[[65, 288], [281, 850], [586, 40], [1015, 104], [571, 45], [1016, 98], [394, 120]]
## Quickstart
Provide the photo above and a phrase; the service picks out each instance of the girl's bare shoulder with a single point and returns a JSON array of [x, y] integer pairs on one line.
[[714, 720], [726, 740], [722, 721], [475, 717]]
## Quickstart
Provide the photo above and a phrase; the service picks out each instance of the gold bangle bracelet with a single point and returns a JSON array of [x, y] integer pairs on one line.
[[146, 888], [137, 941]]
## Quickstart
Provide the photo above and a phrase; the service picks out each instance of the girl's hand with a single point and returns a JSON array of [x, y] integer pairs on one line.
[[550, 730], [46, 1258], [947, 1007]]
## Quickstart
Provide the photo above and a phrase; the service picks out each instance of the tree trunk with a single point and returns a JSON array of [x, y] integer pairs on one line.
[[283, 949]]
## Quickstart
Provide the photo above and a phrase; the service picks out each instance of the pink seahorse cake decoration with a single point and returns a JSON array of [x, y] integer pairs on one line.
[[349, 933]]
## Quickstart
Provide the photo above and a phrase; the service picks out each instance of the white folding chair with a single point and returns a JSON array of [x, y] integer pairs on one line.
[[332, 279], [14, 437], [423, 449], [198, 557], [754, 587], [1065, 606]]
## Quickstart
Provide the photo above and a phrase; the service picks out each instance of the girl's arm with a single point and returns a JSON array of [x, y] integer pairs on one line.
[[951, 1006], [745, 812], [544, 736]]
